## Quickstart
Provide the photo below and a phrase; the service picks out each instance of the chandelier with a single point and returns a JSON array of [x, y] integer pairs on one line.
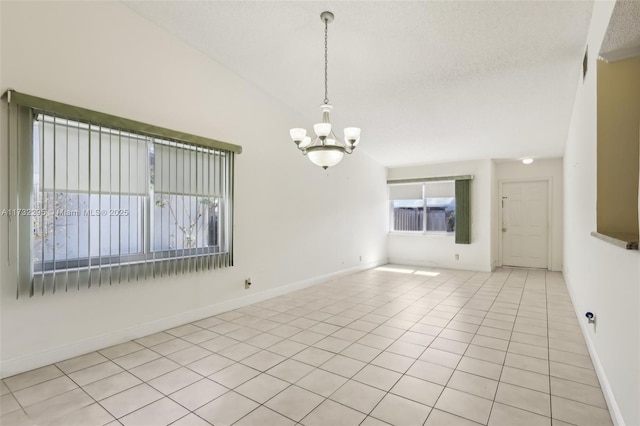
[[325, 149]]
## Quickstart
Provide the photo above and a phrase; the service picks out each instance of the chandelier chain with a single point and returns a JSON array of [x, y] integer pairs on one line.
[[326, 61]]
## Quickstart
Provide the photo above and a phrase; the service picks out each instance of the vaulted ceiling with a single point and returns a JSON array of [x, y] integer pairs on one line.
[[426, 81]]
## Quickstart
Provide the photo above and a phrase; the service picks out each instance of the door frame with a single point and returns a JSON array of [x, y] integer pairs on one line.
[[550, 224]]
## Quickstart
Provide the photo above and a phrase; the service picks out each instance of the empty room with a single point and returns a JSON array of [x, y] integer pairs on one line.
[[317, 213]]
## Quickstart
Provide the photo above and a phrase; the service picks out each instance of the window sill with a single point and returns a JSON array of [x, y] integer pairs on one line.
[[423, 234], [627, 241]]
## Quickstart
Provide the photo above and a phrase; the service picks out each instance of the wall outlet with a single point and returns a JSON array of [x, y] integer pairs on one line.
[[457, 256], [247, 283], [360, 258]]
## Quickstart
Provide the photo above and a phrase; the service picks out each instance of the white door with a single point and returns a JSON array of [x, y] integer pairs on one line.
[[525, 224]]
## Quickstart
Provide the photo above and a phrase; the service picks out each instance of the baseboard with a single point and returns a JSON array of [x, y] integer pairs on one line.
[[427, 264], [614, 409], [21, 364]]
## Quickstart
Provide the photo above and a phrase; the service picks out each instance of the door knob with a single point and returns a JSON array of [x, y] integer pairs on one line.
[[504, 229]]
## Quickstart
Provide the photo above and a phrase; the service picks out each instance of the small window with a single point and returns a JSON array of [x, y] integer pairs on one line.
[[410, 202]]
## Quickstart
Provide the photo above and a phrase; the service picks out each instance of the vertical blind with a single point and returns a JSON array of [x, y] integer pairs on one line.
[[104, 200]]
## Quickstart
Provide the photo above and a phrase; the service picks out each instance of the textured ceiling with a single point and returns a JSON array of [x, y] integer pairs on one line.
[[623, 34], [426, 81]]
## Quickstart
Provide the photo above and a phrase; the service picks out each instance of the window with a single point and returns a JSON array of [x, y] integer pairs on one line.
[[409, 203], [432, 205], [100, 203]]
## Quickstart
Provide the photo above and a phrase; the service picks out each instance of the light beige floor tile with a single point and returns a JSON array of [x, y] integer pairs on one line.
[[58, 406], [42, 391], [490, 342], [234, 375], [486, 354], [378, 377], [416, 338], [332, 344], [111, 385], [136, 358], [400, 411], [418, 390], [130, 400], [92, 414], [463, 326], [376, 341], [313, 356], [436, 356], [332, 413], [449, 345], [154, 369], [80, 362], [523, 362], [33, 377], [158, 413], [476, 385], [307, 337], [586, 376], [570, 358], [526, 379], [263, 360], [578, 392], [460, 336], [321, 382], [577, 413], [262, 388], [498, 333], [8, 403], [361, 352], [528, 350], [441, 418], [227, 409], [290, 370], [262, 416], [198, 394], [199, 336], [393, 361], [189, 355], [287, 348], [239, 351], [343, 366], [284, 331], [243, 333], [171, 346], [174, 380], [480, 368], [358, 396], [16, 418], [407, 349], [121, 350], [294, 402], [431, 372], [210, 364], [190, 420], [218, 343], [324, 328], [530, 339], [95, 373], [349, 334], [264, 340], [183, 330], [464, 405], [505, 415], [524, 398], [3, 388], [154, 339], [372, 421]]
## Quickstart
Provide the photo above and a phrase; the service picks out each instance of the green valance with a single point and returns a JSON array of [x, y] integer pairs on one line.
[[115, 122]]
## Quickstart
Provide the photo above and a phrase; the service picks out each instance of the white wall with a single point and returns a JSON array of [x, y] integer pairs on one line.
[[295, 223], [439, 250], [551, 169], [601, 278]]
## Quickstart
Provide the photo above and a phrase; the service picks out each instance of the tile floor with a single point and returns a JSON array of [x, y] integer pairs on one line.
[[392, 345]]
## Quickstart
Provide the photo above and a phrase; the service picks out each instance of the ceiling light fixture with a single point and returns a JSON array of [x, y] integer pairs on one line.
[[527, 161], [325, 150]]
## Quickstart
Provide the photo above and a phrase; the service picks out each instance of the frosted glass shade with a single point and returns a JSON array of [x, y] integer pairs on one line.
[[322, 129], [305, 142], [297, 134], [326, 157], [351, 134]]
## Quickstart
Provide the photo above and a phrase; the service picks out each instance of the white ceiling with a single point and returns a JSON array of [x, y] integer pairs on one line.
[[622, 39], [426, 81]]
